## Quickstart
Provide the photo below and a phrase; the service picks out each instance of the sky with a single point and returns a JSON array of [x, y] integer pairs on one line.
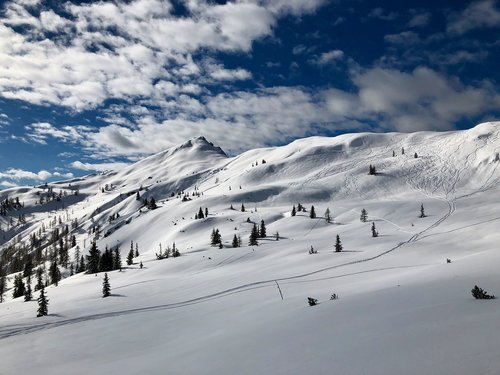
[[88, 86]]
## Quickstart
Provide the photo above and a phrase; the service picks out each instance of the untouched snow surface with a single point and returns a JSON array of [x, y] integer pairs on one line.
[[402, 308]]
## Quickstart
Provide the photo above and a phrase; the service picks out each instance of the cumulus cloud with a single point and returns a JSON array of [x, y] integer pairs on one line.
[[328, 57], [478, 14], [20, 174], [121, 50]]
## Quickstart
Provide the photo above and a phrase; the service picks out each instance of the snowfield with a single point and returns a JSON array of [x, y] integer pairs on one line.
[[402, 309]]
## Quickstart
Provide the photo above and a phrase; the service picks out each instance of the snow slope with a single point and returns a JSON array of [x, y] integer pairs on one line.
[[402, 308]]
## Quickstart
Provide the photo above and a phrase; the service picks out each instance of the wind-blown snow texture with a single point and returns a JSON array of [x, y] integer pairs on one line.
[[402, 308]]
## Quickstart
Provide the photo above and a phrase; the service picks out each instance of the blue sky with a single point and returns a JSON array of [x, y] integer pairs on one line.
[[91, 85]]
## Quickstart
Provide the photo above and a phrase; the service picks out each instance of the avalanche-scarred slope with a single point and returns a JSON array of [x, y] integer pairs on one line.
[[402, 308]]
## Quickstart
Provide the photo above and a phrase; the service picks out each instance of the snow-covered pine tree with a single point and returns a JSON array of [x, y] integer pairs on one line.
[[262, 231], [254, 235], [338, 245], [312, 213], [93, 259], [328, 216], [235, 241], [422, 211], [364, 215], [374, 230], [106, 288], [43, 304]]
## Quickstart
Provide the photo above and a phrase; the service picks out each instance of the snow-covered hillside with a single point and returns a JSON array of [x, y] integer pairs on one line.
[[402, 309]]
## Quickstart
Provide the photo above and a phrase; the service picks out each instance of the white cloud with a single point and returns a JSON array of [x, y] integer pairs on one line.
[[8, 184], [20, 174], [419, 18], [478, 14], [328, 57], [87, 63], [404, 38]]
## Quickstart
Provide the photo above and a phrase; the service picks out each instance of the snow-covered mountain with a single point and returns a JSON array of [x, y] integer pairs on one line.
[[402, 308]]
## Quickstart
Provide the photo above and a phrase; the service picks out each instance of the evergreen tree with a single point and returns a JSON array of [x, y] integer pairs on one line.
[[28, 267], [81, 266], [200, 214], [43, 304], [262, 232], [215, 238], [137, 196], [328, 216], [28, 296], [54, 273], [235, 241], [206, 212], [312, 213], [136, 250], [364, 216], [39, 280], [106, 261], [393, 153], [422, 211], [130, 257], [242, 207], [175, 250], [374, 230], [19, 288], [402, 150], [338, 245], [117, 259], [93, 259], [106, 288], [254, 235], [299, 207], [294, 212], [372, 170], [3, 286]]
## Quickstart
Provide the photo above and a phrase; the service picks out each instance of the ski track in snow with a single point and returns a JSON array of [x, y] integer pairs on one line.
[[6, 332]]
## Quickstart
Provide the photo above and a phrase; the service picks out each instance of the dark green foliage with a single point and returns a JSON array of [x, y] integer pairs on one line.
[[106, 261], [312, 301], [39, 278], [364, 215], [479, 293], [372, 170], [338, 245], [106, 288], [93, 259], [242, 207], [175, 251], [235, 241], [294, 212], [215, 237], [81, 265], [54, 273], [328, 216], [19, 287], [43, 304], [422, 211], [200, 214], [374, 230], [28, 296], [3, 286], [206, 212], [254, 235], [312, 213], [117, 259], [262, 231]]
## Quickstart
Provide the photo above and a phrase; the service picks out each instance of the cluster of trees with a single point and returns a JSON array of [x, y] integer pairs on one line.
[[132, 253], [201, 214], [10, 204], [169, 252], [109, 260]]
